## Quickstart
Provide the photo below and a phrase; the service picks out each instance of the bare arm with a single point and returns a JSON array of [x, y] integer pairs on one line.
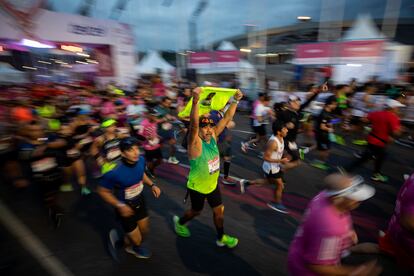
[[267, 156], [194, 143], [108, 197], [228, 116]]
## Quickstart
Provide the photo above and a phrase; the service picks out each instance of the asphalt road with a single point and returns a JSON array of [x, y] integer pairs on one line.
[[80, 244]]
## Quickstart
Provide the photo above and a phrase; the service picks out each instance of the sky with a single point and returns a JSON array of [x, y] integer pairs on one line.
[[163, 24]]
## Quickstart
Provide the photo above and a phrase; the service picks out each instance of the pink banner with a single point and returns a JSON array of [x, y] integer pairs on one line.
[[227, 56], [315, 50], [201, 58], [363, 48]]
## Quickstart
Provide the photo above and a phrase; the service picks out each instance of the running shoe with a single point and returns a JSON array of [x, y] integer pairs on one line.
[[302, 153], [173, 160], [357, 154], [360, 142], [379, 177], [85, 191], [67, 187], [229, 241], [243, 185], [320, 165], [340, 140], [228, 181], [139, 251], [244, 147], [180, 230], [278, 207]]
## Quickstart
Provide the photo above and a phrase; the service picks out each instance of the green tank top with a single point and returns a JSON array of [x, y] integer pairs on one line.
[[342, 101], [205, 169]]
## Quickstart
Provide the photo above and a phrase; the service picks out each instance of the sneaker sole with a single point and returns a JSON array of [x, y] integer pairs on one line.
[[132, 252], [221, 245], [277, 210]]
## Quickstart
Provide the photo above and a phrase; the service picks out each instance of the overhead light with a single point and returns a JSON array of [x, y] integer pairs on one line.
[[92, 61], [44, 62], [191, 52], [81, 62], [1, 48], [35, 44], [183, 54], [28, 67], [66, 65], [245, 50], [354, 65], [71, 48], [304, 18], [60, 62], [83, 54]]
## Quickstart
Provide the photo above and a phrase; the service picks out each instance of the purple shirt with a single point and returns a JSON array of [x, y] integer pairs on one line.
[[322, 238], [403, 206]]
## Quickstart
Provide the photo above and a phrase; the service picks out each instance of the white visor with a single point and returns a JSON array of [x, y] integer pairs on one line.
[[357, 191]]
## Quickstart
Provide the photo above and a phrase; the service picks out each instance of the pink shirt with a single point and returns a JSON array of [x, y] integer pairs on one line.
[[149, 131], [159, 89], [403, 206], [108, 108], [322, 238]]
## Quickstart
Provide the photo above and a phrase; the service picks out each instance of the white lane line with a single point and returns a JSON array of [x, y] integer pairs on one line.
[[32, 244]]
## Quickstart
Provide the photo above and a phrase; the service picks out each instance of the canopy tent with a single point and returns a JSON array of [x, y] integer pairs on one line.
[[152, 63], [9, 75], [226, 46], [243, 69], [386, 64], [363, 28]]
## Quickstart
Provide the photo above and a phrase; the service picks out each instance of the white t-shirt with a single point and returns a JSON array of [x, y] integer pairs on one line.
[[138, 109], [263, 112]]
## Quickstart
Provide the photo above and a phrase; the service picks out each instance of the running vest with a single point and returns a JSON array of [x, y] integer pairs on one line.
[[269, 167], [342, 101], [205, 169]]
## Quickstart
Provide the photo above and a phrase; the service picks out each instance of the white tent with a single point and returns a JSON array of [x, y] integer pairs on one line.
[[243, 69], [9, 75], [152, 63], [363, 28], [394, 55], [226, 46]]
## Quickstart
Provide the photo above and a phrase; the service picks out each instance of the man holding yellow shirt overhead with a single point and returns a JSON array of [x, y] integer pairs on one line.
[[205, 169]]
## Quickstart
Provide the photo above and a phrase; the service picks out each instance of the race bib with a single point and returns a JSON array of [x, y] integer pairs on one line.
[[72, 153], [86, 140], [292, 146], [166, 126], [113, 154], [44, 164], [214, 165], [134, 191]]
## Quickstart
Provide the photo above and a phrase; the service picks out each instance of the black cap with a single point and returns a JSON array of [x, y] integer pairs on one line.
[[205, 121], [127, 143]]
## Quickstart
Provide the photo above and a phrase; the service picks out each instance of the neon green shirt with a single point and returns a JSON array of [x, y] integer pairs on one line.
[[205, 169]]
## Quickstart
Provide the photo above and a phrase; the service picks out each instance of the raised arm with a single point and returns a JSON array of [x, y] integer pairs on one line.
[[228, 116]]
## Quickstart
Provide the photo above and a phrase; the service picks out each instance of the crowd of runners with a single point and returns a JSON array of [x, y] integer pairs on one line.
[[51, 135]]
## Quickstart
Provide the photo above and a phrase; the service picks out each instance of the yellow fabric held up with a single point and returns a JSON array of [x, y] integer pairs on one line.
[[211, 98]]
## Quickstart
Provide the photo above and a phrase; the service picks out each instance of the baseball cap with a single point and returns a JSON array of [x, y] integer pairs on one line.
[[393, 103], [204, 121], [293, 98], [357, 190], [127, 143], [108, 122]]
